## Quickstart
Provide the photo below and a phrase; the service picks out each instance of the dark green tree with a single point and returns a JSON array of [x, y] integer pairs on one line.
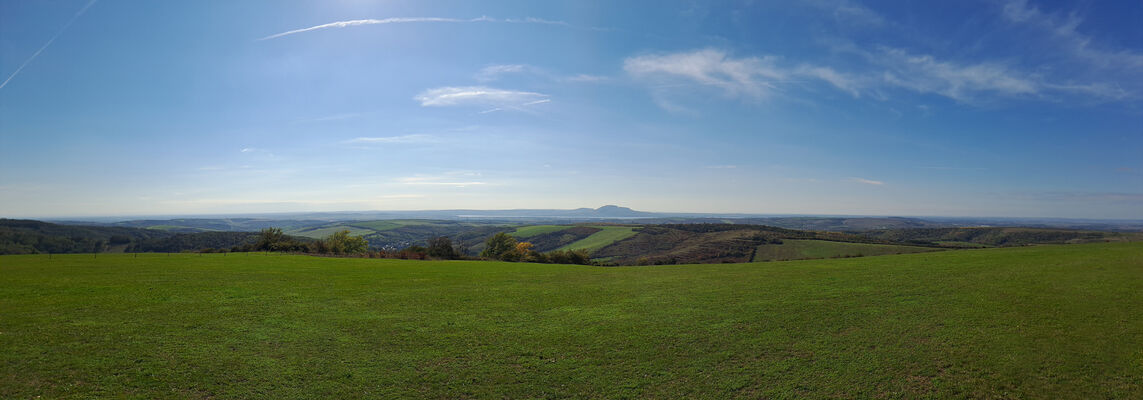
[[269, 239], [441, 247], [500, 246], [341, 243]]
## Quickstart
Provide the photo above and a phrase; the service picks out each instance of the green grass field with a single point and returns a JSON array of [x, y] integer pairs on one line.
[[1031, 322], [322, 233], [525, 232], [174, 227], [599, 240], [792, 249], [377, 225]]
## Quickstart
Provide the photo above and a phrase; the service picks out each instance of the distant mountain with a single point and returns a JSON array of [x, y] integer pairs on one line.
[[612, 211]]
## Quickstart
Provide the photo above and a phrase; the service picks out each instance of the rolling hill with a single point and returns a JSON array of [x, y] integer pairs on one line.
[[620, 244]]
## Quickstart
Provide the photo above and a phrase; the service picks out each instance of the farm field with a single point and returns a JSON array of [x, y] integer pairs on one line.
[[601, 239], [356, 228], [794, 249], [525, 232], [1055, 321], [378, 225], [175, 227], [319, 233]]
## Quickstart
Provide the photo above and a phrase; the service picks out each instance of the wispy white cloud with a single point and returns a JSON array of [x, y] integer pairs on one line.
[[744, 77], [963, 82], [837, 79], [496, 72], [493, 72], [1070, 40], [540, 101], [884, 68], [585, 78], [533, 20], [867, 181], [848, 12], [415, 138], [1094, 69], [971, 81], [477, 95], [751, 76], [408, 20], [359, 22], [48, 43]]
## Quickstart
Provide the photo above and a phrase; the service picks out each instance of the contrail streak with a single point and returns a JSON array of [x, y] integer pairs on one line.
[[49, 43], [403, 20], [342, 24]]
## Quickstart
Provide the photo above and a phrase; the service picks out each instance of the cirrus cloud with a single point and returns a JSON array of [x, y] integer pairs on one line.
[[477, 96], [735, 77], [867, 181]]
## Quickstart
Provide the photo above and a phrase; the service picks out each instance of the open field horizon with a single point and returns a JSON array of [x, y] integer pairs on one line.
[[571, 199]]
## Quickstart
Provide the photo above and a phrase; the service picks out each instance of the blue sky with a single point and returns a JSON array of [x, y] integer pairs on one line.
[[967, 108]]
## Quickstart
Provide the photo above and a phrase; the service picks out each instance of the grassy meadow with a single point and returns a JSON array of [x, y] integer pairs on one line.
[[320, 233], [525, 232], [378, 226], [608, 235], [1031, 322]]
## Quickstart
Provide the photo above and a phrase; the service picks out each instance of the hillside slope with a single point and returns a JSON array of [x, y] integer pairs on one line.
[[706, 243], [1010, 236]]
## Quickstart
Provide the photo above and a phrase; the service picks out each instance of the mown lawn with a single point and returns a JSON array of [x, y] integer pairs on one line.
[[1034, 322]]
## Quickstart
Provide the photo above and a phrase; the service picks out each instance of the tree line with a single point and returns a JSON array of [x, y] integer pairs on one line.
[[31, 237], [504, 247], [501, 246]]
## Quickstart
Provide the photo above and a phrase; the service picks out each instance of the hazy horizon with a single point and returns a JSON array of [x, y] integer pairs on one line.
[[1005, 108], [402, 214]]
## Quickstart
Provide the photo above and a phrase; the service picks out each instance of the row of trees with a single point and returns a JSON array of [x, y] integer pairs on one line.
[[273, 239], [500, 246], [440, 248], [29, 237], [504, 247], [32, 237]]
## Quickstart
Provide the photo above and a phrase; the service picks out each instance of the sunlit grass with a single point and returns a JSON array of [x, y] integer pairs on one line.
[[599, 240], [1036, 322]]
